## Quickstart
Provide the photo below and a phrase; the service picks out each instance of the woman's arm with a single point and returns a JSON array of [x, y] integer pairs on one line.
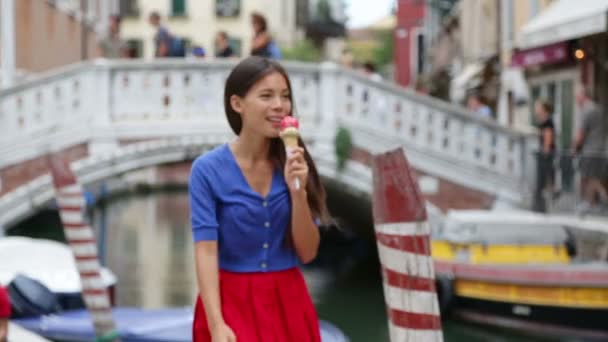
[[204, 230], [547, 140], [207, 274], [304, 232]]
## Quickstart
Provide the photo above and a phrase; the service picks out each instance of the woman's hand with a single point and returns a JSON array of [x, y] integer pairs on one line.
[[222, 333], [296, 168]]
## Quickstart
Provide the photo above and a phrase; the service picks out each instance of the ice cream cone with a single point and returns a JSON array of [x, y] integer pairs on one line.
[[289, 135]]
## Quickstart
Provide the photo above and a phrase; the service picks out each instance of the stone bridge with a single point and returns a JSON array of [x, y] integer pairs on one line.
[[110, 117]]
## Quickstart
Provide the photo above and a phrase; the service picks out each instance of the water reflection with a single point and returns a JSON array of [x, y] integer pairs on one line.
[[149, 248]]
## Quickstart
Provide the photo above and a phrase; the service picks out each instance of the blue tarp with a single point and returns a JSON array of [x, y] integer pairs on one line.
[[134, 325]]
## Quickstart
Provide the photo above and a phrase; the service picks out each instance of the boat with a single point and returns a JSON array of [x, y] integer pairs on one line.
[[134, 325], [49, 262], [45, 293], [520, 270]]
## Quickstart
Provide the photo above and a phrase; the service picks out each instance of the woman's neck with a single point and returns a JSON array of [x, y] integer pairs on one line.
[[251, 148]]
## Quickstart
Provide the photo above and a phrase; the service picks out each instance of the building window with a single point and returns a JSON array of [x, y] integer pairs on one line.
[[236, 46], [178, 8], [301, 13], [128, 8], [227, 8]]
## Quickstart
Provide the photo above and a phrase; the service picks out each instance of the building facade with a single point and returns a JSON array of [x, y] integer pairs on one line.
[[557, 46], [49, 34], [409, 42], [198, 21]]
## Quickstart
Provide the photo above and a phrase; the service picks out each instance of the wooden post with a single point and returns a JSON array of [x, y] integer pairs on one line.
[[403, 239], [71, 203]]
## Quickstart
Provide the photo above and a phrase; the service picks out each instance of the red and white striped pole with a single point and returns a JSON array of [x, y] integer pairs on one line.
[[403, 239], [71, 203]]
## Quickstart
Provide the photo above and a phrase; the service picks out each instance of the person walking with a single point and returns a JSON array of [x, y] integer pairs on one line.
[[545, 182], [252, 225], [590, 144], [112, 46]]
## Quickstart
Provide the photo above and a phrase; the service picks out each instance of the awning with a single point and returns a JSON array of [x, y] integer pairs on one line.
[[565, 20], [469, 78]]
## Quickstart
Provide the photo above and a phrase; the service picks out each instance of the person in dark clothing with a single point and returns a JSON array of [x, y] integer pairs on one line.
[[546, 172], [545, 124], [222, 46]]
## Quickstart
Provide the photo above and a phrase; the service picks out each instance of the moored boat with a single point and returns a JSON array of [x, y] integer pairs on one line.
[[520, 270]]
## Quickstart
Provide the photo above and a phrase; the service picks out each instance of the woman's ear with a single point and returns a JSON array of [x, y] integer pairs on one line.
[[236, 103]]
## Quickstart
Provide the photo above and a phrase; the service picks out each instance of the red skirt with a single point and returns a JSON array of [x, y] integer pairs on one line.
[[263, 307]]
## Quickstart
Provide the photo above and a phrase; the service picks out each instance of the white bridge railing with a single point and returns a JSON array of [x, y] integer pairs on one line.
[[104, 103]]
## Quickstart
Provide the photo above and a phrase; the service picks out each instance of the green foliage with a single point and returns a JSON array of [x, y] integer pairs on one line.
[[304, 51], [383, 53], [344, 146]]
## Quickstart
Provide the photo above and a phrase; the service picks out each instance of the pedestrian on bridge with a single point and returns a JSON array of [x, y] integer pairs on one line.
[[545, 183], [252, 225]]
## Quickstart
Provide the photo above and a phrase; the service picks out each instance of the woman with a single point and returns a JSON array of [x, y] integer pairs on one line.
[[545, 124], [546, 155], [262, 44], [252, 227]]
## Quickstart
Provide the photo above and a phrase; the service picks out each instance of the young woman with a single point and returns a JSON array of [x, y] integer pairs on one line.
[[546, 155], [262, 43], [252, 227]]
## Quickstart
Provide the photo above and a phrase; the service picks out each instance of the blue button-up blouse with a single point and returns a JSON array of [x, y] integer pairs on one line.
[[250, 229]]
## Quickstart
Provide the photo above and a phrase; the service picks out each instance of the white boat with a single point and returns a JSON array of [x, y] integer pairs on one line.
[[49, 262]]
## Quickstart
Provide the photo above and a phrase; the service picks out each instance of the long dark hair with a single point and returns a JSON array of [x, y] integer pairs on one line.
[[239, 82], [260, 20]]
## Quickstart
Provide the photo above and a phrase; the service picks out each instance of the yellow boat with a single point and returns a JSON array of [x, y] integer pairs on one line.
[[520, 270]]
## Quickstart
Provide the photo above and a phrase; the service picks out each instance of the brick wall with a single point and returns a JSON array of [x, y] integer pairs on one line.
[[16, 175], [47, 38]]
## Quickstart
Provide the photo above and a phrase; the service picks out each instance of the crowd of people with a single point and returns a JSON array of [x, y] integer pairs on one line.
[[169, 45]]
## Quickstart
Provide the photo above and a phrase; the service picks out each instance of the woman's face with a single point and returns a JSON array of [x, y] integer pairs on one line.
[[540, 112], [256, 25], [263, 107]]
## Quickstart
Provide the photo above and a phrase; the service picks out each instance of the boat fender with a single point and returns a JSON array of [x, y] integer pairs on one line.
[[29, 297], [445, 294]]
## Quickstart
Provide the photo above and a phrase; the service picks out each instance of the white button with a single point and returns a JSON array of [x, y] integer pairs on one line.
[[265, 203], [265, 245], [267, 224], [263, 265]]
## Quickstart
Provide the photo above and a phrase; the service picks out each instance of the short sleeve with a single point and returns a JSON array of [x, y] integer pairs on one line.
[[203, 213]]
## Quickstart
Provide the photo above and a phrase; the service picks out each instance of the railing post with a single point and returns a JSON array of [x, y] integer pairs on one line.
[[100, 103], [327, 106], [403, 236]]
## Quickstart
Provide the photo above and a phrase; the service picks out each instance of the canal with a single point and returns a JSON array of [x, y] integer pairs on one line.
[[147, 244]]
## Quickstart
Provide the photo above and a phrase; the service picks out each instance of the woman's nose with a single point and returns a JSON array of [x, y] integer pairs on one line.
[[277, 102]]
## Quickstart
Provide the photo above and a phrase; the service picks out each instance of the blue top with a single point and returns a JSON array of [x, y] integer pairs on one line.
[[251, 230]]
